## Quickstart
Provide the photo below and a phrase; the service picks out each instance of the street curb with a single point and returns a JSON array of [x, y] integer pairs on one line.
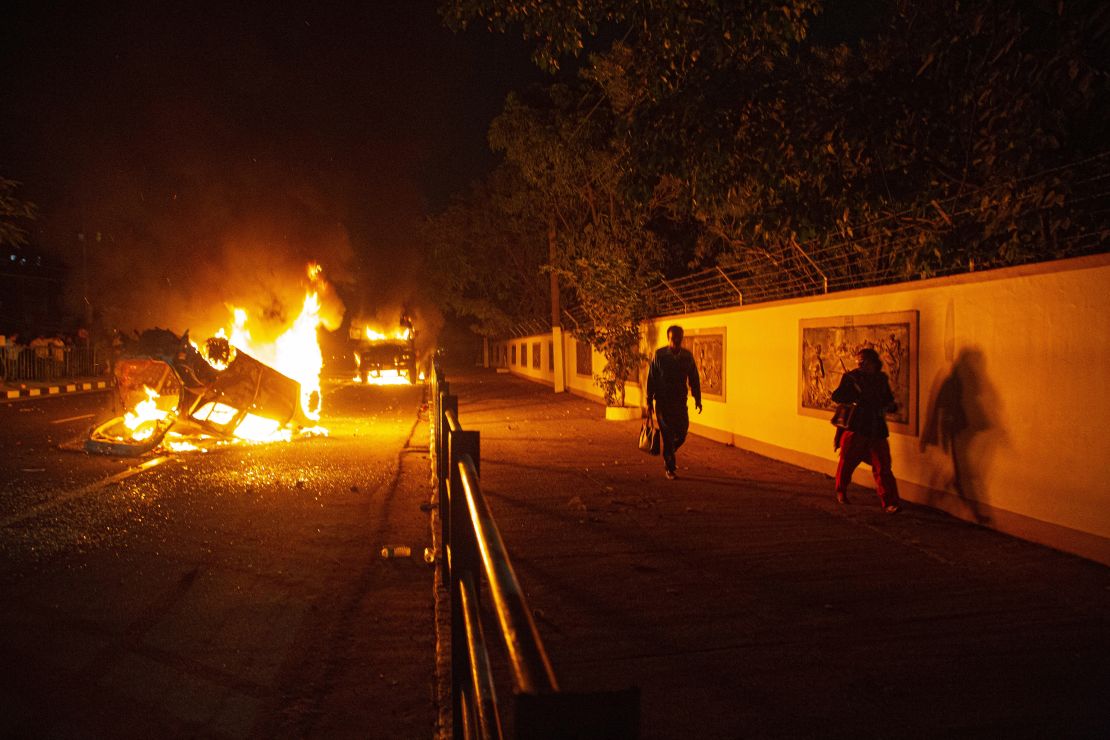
[[12, 394], [441, 588]]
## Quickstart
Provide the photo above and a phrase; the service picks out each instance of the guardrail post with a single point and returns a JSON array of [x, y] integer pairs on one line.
[[463, 558], [436, 417], [440, 430], [448, 403], [438, 444]]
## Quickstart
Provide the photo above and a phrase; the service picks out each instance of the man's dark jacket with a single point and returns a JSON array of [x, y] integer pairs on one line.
[[668, 377]]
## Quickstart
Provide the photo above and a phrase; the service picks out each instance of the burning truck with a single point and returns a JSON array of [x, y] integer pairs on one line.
[[386, 359]]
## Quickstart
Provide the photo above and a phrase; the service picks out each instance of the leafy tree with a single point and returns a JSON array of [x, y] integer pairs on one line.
[[985, 99], [672, 37], [902, 139], [918, 148], [13, 209], [562, 141], [615, 306], [488, 252]]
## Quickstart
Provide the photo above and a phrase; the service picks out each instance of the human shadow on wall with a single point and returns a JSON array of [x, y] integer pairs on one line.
[[963, 421], [651, 338]]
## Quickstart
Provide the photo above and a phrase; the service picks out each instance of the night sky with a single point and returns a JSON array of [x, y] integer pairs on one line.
[[217, 147]]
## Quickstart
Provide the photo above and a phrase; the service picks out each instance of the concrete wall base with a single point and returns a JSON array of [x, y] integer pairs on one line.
[[622, 413]]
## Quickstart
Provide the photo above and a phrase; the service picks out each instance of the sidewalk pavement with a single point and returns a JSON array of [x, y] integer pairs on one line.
[[745, 602], [37, 388]]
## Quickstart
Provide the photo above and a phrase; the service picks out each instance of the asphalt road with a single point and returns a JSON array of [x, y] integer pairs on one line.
[[744, 602], [234, 593]]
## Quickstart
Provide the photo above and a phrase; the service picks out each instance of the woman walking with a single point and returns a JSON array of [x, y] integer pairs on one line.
[[865, 439]]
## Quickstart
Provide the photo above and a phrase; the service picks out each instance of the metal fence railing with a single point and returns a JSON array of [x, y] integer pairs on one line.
[[473, 549], [45, 364], [876, 252], [529, 327]]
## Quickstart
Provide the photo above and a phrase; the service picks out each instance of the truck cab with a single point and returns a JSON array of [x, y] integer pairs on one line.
[[382, 355]]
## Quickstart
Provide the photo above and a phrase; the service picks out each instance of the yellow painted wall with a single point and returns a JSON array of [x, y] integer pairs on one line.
[[525, 369], [582, 385], [1030, 347]]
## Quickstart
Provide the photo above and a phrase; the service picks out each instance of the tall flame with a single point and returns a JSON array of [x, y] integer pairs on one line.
[[376, 336], [295, 353], [142, 420], [299, 357]]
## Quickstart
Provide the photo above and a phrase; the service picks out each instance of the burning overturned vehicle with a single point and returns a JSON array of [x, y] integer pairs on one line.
[[165, 383], [178, 395]]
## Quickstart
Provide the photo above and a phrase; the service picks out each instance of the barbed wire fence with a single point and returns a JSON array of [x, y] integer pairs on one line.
[[875, 253]]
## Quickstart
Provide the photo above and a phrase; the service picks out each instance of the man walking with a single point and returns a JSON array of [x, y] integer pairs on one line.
[[672, 369]]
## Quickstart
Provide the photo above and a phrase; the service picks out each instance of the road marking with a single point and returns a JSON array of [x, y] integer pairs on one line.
[[82, 491], [73, 418]]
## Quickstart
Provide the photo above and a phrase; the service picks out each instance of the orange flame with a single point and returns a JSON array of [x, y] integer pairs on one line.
[[376, 336], [295, 354], [143, 419], [387, 377], [298, 355]]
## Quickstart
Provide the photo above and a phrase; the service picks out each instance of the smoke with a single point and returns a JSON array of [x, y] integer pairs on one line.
[[180, 249], [208, 152]]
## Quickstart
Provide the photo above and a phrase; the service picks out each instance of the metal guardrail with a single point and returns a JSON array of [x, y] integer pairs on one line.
[[473, 548]]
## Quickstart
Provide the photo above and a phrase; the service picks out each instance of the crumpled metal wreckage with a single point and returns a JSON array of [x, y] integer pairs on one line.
[[197, 398]]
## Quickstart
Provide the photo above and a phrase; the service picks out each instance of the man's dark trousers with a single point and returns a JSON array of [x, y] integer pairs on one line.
[[674, 423]]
